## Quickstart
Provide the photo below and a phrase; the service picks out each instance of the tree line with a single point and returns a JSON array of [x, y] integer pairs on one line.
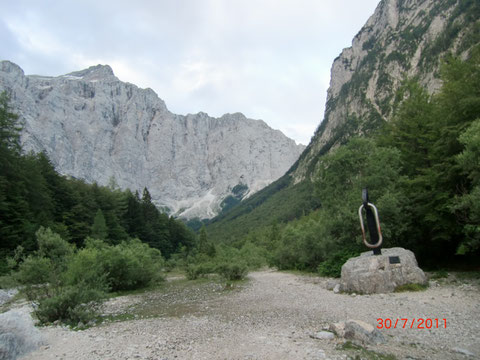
[[33, 195]]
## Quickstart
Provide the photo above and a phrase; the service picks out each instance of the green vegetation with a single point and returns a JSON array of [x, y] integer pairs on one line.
[[411, 287], [361, 353], [68, 284], [422, 173], [69, 243], [33, 194]]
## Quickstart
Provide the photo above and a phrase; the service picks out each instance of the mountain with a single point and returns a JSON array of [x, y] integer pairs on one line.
[[95, 127], [403, 39]]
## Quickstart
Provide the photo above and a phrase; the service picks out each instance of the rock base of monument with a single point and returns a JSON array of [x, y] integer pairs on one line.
[[371, 274]]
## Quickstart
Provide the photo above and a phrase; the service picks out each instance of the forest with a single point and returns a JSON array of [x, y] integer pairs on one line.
[[70, 243]]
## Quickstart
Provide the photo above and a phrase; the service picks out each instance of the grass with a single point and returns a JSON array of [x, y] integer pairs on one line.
[[360, 353], [468, 275], [440, 274], [411, 287]]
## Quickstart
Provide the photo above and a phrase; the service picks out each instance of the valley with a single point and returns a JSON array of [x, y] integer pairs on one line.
[[273, 315]]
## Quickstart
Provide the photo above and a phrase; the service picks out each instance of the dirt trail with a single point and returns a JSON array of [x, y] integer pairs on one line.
[[272, 317]]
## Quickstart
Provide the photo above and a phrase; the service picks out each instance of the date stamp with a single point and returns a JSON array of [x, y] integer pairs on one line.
[[415, 323]]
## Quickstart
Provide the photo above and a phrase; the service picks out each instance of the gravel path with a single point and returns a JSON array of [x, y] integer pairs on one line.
[[272, 317]]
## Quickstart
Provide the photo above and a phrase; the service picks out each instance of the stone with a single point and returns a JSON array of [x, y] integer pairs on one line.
[[323, 335], [363, 332], [95, 127], [7, 295], [464, 352], [338, 328], [371, 274], [331, 284], [337, 288], [18, 335]]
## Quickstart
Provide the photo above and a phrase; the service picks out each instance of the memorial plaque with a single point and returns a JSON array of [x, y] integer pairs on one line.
[[394, 259]]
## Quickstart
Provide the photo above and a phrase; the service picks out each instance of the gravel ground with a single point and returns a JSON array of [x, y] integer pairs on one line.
[[272, 317]]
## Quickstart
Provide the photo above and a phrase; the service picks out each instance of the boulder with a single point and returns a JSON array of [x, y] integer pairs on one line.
[[338, 328], [331, 284], [363, 332], [18, 335], [369, 274]]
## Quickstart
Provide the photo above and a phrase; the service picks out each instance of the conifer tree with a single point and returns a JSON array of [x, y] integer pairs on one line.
[[99, 227]]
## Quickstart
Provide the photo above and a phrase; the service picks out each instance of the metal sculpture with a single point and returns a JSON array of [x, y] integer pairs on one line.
[[373, 224]]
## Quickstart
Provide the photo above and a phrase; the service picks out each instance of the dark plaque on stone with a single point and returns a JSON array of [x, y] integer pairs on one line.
[[394, 259]]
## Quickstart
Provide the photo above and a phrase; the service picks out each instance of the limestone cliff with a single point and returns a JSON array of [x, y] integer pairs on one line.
[[94, 127], [402, 39]]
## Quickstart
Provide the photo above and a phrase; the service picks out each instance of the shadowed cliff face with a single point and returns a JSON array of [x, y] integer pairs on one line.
[[94, 127], [402, 39]]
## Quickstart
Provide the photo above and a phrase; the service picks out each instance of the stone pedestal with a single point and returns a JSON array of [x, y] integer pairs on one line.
[[370, 274]]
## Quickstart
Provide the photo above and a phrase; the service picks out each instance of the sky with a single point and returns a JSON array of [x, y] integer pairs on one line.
[[268, 59]]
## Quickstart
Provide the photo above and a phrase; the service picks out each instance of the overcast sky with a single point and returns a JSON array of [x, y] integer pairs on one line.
[[269, 59]]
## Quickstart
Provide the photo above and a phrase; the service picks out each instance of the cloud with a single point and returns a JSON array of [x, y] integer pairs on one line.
[[269, 59]]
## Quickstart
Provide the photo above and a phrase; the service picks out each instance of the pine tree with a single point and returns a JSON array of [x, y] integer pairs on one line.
[[99, 227]]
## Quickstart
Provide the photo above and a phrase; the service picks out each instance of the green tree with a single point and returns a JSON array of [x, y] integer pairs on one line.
[[9, 128], [427, 131], [467, 205], [99, 227]]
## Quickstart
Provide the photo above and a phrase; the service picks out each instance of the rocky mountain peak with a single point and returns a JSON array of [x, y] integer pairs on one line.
[[98, 72], [94, 127], [9, 67]]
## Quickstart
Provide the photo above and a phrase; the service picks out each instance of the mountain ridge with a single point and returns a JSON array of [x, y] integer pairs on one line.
[[95, 127], [402, 39]]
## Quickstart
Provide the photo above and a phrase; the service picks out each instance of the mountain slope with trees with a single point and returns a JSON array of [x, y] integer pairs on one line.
[[430, 186]]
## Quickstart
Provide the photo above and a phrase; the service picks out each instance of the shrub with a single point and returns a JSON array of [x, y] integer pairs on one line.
[[86, 268], [35, 270], [132, 265], [70, 304], [440, 274], [333, 265], [194, 271], [53, 247], [69, 285], [232, 271]]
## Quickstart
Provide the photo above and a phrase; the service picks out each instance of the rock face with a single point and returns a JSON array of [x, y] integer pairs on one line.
[[18, 335], [368, 273], [402, 39], [94, 127]]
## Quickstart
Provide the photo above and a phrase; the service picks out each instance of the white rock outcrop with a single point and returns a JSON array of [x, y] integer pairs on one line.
[[94, 127]]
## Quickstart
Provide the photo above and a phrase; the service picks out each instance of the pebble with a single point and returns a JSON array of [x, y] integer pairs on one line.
[[323, 335], [463, 351]]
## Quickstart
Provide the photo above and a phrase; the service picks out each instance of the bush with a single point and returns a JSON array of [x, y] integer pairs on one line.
[[35, 270], [86, 268], [232, 271], [69, 285], [131, 265], [333, 265], [53, 247], [71, 304], [193, 272]]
